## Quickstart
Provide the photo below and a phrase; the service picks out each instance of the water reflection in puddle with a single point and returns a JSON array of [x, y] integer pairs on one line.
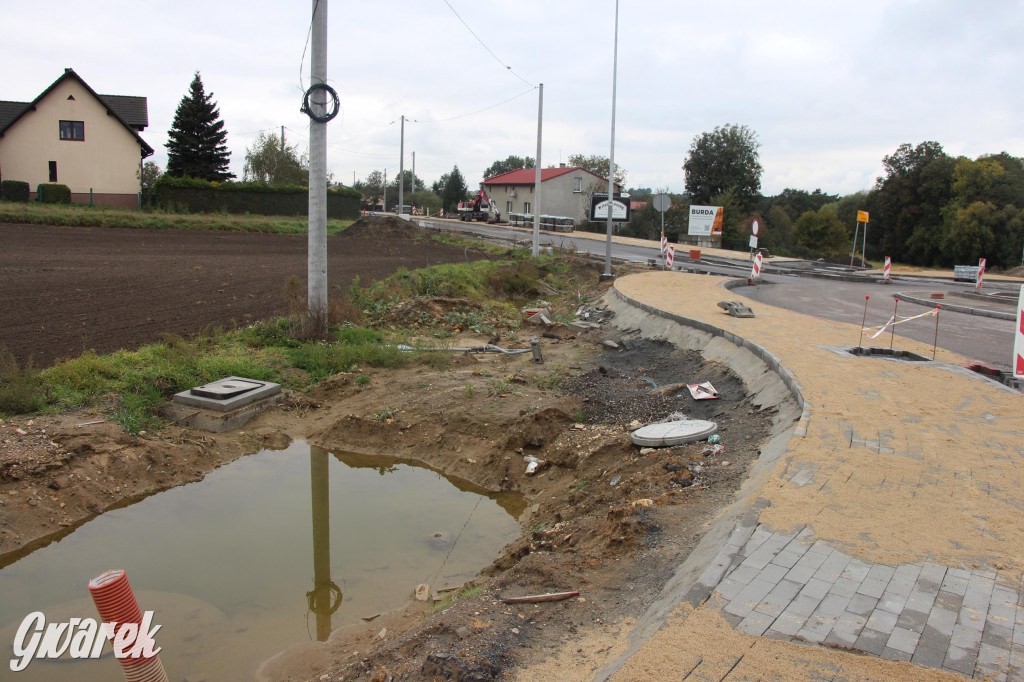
[[240, 565]]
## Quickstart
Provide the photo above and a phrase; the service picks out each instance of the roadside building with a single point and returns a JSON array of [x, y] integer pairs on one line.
[[565, 191], [71, 135]]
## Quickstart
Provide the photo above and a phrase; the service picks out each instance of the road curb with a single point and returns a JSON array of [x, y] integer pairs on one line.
[[956, 308]]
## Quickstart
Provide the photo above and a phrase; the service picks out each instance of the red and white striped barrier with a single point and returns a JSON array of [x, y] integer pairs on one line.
[[981, 272], [670, 254], [888, 267], [755, 272], [664, 245], [1018, 341]]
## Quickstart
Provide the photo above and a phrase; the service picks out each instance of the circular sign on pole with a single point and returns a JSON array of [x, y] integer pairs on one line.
[[754, 227], [662, 202]]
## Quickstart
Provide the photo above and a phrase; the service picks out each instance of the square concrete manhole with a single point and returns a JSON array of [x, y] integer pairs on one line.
[[227, 394]]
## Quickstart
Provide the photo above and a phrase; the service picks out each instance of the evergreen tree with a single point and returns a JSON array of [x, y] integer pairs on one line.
[[196, 143]]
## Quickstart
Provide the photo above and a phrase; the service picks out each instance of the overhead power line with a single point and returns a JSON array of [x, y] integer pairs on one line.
[[489, 50]]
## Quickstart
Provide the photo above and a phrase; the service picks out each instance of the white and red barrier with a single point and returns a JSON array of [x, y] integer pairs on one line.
[[670, 254], [981, 273], [755, 272], [1018, 341], [664, 244], [888, 267]]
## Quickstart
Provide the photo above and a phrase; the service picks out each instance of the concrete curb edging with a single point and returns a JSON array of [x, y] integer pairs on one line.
[[956, 308], [696, 578]]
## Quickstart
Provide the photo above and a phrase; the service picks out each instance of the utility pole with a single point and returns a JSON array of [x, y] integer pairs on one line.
[[317, 247], [282, 139], [611, 156], [385, 205], [414, 172], [401, 169], [536, 175]]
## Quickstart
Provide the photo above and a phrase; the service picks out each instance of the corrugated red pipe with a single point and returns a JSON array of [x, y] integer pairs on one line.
[[115, 601]]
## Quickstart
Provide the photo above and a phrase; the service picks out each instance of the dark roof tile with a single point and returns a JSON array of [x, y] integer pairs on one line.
[[132, 110]]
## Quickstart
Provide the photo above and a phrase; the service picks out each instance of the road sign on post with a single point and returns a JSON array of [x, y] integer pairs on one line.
[[599, 207]]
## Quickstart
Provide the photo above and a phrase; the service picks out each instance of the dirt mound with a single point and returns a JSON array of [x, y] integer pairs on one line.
[[384, 227], [1015, 272]]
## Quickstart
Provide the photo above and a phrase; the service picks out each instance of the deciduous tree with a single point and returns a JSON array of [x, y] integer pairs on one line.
[[197, 142], [726, 159], [598, 165], [508, 165], [268, 160]]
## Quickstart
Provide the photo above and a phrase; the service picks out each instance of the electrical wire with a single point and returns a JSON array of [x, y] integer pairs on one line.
[[309, 34], [473, 113], [489, 51]]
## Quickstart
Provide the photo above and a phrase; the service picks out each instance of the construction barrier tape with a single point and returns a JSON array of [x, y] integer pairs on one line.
[[891, 323]]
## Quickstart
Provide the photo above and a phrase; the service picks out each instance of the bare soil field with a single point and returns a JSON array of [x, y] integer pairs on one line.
[[68, 289]]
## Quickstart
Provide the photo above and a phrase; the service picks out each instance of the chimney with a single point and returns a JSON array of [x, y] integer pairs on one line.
[[561, 165]]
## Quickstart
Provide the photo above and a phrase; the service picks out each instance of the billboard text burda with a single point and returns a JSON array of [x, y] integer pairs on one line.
[[705, 221]]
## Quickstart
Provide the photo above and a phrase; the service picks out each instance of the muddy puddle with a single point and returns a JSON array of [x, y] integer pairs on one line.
[[274, 549]]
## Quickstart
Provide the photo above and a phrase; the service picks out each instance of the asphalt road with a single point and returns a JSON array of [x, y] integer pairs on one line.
[[981, 338]]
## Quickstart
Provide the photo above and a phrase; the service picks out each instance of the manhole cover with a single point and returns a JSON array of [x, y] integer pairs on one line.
[[673, 433], [226, 388]]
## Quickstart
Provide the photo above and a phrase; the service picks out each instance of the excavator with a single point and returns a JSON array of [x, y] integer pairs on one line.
[[480, 208]]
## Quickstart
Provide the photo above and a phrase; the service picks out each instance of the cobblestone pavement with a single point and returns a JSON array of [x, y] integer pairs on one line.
[[795, 588]]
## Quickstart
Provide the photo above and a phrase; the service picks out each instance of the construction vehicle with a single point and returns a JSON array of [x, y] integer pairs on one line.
[[480, 208]]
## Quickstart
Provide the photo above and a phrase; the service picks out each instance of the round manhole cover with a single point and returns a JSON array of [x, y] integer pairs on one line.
[[673, 433]]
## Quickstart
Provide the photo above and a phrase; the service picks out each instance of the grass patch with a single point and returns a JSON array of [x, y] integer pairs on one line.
[[465, 593]]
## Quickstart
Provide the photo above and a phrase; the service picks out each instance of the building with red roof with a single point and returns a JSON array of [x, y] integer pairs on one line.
[[565, 191]]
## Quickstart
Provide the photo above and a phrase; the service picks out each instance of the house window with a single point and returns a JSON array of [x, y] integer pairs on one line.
[[577, 184], [53, 171], [72, 130], [526, 207], [508, 207]]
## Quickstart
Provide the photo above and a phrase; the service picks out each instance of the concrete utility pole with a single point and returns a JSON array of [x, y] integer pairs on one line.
[[282, 139], [536, 175], [317, 249], [414, 172], [401, 169], [611, 156]]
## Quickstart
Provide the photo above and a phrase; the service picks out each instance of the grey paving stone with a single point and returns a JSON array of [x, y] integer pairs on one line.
[[802, 607], [856, 570], [971, 618], [931, 648], [789, 623], [900, 586], [948, 600], [833, 567], [871, 641], [912, 620], [891, 654], [744, 574], [932, 572], [882, 621], [816, 588], [749, 597], [873, 588], [993, 662], [1002, 606], [812, 636], [862, 605], [811, 559], [997, 636], [956, 581], [942, 620], [960, 660], [965, 638], [979, 592], [740, 536], [772, 633], [880, 572], [920, 601], [831, 607], [903, 640], [787, 558], [729, 588], [756, 623], [842, 639], [850, 623], [760, 558], [773, 573], [844, 587], [801, 574], [820, 547], [779, 598], [906, 573], [891, 602]]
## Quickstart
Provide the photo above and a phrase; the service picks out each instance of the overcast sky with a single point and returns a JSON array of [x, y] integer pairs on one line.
[[829, 87]]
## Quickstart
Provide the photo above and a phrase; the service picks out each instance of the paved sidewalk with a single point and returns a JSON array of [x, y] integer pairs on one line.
[[892, 527]]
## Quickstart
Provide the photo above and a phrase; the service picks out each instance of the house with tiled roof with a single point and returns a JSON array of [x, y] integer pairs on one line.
[[71, 135], [565, 191]]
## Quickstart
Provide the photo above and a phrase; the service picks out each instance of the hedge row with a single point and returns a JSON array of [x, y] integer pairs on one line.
[[201, 196], [14, 190], [53, 193]]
